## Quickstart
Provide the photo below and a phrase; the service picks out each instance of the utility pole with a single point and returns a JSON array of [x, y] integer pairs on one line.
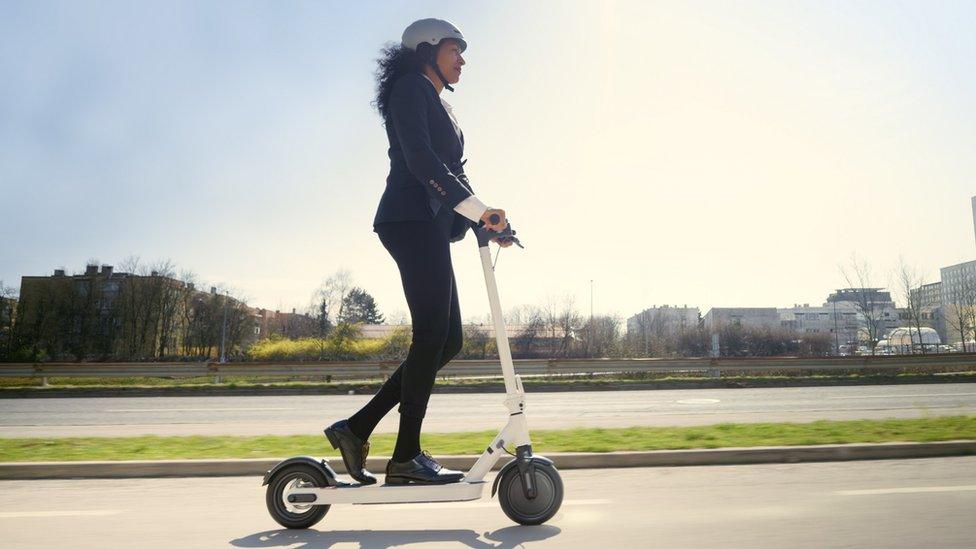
[[591, 301], [836, 342], [223, 333]]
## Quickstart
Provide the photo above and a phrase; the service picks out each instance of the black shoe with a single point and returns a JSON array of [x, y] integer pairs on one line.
[[422, 469], [353, 450]]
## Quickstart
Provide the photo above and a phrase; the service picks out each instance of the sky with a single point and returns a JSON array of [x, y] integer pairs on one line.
[[710, 154]]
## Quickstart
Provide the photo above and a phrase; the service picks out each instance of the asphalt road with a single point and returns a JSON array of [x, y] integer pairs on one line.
[[252, 415], [892, 504]]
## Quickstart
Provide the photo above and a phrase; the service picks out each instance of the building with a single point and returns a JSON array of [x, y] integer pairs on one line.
[[839, 317], [875, 303], [958, 300], [102, 314], [845, 315], [292, 325], [946, 305], [753, 317], [663, 321], [929, 295], [958, 282]]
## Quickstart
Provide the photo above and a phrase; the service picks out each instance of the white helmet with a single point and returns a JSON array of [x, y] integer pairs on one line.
[[431, 31]]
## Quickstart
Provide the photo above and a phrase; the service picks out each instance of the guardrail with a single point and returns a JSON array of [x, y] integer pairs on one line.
[[361, 370]]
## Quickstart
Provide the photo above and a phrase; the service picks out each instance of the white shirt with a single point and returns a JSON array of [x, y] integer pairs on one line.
[[470, 207]]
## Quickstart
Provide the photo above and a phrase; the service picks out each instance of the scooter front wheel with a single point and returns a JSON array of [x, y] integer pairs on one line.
[[295, 515], [548, 499]]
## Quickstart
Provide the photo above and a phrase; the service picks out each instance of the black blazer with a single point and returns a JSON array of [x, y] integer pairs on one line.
[[426, 171]]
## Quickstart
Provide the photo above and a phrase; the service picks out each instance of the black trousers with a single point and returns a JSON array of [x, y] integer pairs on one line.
[[422, 253]]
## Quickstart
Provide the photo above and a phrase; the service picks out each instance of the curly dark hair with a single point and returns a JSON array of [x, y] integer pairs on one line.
[[395, 61]]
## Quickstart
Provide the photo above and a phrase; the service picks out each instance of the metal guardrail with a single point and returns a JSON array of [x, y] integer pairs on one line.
[[335, 370]]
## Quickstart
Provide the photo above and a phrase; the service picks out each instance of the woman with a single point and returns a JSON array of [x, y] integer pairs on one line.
[[428, 203]]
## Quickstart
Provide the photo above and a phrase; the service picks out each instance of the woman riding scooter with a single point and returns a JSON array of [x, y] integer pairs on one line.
[[428, 203]]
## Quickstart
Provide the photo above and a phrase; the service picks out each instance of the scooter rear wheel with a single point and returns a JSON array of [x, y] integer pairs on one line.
[[549, 495], [292, 515]]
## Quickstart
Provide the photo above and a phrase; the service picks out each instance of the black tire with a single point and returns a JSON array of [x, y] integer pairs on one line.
[[290, 515], [549, 495]]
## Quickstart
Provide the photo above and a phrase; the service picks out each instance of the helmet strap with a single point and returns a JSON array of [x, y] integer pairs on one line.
[[431, 60], [441, 75]]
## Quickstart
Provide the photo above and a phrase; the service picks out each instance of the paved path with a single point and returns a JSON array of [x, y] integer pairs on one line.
[[254, 415], [892, 504]]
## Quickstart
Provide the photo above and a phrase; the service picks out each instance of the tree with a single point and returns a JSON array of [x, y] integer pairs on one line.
[[8, 315], [562, 320], [359, 306], [475, 343], [910, 283], [328, 300], [960, 311], [858, 277], [600, 336], [526, 344], [341, 340]]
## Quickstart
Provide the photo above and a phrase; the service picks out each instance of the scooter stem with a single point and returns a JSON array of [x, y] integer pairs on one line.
[[512, 386]]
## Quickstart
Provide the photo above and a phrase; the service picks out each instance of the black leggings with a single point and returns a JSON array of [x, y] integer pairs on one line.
[[422, 253]]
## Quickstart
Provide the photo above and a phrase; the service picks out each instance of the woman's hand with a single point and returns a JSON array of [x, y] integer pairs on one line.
[[497, 227]]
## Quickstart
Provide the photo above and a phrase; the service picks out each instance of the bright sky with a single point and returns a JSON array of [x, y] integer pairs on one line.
[[700, 153]]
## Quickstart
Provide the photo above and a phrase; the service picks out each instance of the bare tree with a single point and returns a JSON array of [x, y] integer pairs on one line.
[[398, 316], [858, 277], [601, 336], [910, 282], [526, 344], [328, 299], [8, 315], [562, 321], [475, 343], [960, 311]]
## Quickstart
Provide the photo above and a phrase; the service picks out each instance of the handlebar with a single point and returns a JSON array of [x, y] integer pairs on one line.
[[484, 235]]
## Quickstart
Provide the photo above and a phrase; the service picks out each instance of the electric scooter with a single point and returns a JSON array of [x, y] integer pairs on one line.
[[301, 490]]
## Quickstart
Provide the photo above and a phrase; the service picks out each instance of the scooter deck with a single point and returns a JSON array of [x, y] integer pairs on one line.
[[388, 493]]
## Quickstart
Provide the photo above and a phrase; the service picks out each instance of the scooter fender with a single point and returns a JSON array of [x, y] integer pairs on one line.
[[511, 464], [320, 464]]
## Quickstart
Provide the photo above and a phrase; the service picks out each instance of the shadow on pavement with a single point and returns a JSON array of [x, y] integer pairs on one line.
[[512, 536]]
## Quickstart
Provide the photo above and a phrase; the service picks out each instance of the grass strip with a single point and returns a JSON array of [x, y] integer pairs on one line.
[[204, 383], [566, 440]]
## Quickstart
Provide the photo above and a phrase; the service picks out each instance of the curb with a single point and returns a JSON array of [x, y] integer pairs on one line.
[[655, 458], [533, 386]]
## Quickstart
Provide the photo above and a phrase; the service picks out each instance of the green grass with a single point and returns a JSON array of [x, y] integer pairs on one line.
[[568, 440]]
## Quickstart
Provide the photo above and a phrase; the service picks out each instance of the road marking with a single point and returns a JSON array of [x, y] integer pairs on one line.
[[907, 396], [907, 490], [126, 410], [698, 401], [47, 514]]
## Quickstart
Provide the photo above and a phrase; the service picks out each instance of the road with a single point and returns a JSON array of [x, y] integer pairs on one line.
[[891, 504], [253, 415]]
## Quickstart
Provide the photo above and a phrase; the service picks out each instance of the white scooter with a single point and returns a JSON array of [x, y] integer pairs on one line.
[[302, 489]]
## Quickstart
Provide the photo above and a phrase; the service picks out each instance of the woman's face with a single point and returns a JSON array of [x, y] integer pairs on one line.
[[449, 60]]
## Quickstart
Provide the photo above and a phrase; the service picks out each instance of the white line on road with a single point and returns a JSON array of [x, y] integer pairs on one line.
[[907, 396], [907, 490], [125, 410], [46, 514]]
